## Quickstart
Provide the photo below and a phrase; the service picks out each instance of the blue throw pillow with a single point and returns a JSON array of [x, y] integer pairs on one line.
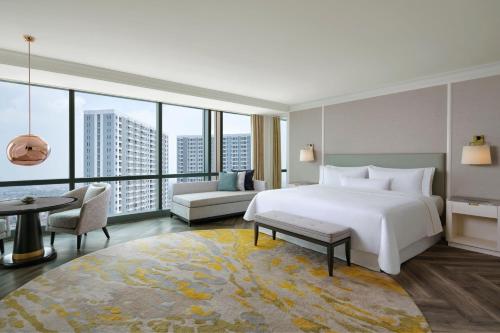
[[227, 181]]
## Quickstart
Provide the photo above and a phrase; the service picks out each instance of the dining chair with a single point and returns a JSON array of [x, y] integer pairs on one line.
[[89, 212], [3, 234]]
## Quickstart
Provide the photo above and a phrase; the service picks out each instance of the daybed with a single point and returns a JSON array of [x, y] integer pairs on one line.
[[197, 201]]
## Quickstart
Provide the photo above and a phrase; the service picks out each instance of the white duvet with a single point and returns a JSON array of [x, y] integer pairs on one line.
[[381, 222]]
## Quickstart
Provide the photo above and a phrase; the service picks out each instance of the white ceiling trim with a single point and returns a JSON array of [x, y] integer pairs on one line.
[[19, 59], [465, 74]]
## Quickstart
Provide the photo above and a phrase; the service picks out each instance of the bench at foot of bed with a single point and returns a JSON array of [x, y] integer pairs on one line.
[[318, 232]]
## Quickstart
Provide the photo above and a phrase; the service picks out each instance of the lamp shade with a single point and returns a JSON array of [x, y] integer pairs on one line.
[[27, 150], [307, 155], [476, 155]]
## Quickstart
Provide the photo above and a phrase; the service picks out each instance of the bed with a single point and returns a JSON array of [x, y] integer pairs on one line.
[[388, 227]]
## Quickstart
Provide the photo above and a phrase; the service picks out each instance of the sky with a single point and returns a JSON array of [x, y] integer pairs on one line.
[[50, 121]]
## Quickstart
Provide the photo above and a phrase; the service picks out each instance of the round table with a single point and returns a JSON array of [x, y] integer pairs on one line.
[[28, 241]]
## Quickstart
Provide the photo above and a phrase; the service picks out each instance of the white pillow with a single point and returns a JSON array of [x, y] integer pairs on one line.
[[402, 180], [365, 183], [330, 175], [427, 179], [240, 183]]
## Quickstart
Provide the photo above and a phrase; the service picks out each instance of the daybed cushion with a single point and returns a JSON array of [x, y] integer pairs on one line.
[[212, 198], [323, 231], [67, 219]]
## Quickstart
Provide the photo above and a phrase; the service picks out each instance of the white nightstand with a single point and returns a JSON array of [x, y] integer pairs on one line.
[[300, 183], [473, 224]]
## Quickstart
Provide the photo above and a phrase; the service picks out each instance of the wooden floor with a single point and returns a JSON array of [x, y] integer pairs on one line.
[[456, 290]]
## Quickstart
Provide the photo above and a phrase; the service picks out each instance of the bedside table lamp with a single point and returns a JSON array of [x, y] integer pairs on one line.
[[477, 152], [307, 154]]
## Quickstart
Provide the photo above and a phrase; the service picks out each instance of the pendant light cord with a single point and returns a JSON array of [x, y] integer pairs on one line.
[[29, 87]]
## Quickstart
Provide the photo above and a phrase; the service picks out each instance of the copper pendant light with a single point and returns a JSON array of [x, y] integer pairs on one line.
[[28, 149]]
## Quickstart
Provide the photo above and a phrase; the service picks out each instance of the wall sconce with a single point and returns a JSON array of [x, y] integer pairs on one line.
[[477, 152], [307, 154]]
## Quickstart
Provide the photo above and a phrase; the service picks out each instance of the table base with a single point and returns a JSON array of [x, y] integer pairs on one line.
[[49, 254]]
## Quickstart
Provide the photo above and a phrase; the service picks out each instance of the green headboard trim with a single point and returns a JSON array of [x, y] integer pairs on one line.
[[404, 161]]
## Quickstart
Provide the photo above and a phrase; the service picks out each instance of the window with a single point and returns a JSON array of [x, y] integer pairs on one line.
[[236, 142], [116, 140], [114, 136], [50, 121], [118, 137], [284, 137], [184, 151]]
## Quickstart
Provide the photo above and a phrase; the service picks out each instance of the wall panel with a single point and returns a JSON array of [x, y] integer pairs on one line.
[[407, 122], [475, 106], [305, 128]]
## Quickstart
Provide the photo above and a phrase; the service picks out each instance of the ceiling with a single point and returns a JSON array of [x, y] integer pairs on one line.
[[282, 51]]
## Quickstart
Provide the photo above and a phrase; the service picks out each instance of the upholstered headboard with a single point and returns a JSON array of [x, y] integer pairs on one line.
[[417, 160]]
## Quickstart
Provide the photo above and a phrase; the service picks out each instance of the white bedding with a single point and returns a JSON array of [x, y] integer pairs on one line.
[[382, 222]]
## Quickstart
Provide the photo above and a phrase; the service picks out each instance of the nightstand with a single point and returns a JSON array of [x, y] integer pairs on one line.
[[300, 183], [473, 224]]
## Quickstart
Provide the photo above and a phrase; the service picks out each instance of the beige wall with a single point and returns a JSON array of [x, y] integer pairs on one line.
[[475, 109], [304, 128], [413, 121], [407, 122]]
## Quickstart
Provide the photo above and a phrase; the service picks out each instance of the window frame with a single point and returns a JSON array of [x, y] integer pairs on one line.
[[159, 176]]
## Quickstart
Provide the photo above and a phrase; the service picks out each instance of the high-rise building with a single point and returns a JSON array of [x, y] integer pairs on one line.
[[116, 145], [236, 153], [190, 154]]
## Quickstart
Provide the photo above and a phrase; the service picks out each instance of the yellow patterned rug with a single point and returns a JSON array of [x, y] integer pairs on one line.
[[209, 281]]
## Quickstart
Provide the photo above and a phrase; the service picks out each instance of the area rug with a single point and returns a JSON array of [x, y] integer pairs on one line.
[[209, 281]]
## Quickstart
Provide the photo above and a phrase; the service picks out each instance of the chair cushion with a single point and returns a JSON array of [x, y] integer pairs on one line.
[[323, 231], [67, 219], [93, 191], [212, 198]]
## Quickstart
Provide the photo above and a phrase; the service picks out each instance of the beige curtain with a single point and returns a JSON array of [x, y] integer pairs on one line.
[[258, 146], [276, 153]]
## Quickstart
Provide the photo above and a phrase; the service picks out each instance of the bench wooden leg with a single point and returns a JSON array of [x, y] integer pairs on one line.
[[256, 233], [348, 251], [274, 234], [329, 250]]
